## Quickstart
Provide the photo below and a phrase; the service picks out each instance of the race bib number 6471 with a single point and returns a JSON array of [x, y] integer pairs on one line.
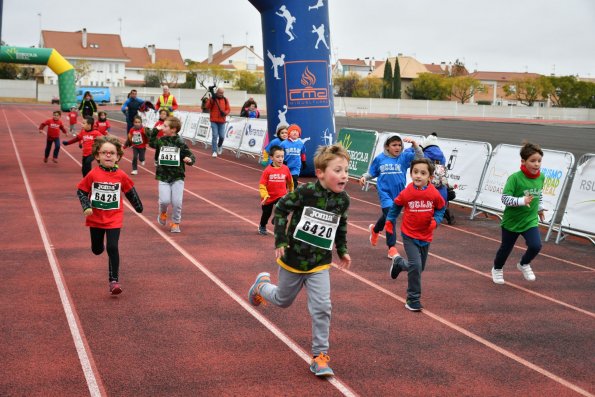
[[317, 227]]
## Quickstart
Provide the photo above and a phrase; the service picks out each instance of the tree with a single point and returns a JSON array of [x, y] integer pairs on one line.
[[207, 75], [166, 71], [27, 73], [527, 90], [346, 85], [568, 92], [8, 71], [82, 68], [387, 80], [428, 86], [463, 87], [152, 80], [369, 87], [397, 80], [249, 82]]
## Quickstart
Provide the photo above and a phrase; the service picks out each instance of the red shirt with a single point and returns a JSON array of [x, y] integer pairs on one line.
[[54, 128], [419, 206], [275, 180], [102, 126], [157, 124], [87, 138], [103, 218], [72, 116], [138, 136]]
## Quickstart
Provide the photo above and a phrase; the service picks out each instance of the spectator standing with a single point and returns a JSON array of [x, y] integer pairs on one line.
[[167, 101], [218, 107], [130, 108]]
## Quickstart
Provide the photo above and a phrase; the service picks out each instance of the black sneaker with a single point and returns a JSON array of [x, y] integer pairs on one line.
[[414, 306], [397, 266], [262, 230]]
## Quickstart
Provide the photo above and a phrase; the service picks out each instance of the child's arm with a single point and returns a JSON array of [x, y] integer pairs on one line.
[[391, 217], [73, 140], [152, 134], [289, 181], [133, 198], [85, 202], [42, 126], [187, 155], [63, 129], [372, 172], [284, 207]]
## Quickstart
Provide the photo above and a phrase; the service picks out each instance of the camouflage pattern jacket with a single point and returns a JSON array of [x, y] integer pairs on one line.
[[301, 257], [170, 174]]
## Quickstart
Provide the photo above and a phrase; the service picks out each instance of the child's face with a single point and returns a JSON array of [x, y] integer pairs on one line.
[[86, 126], [252, 107], [167, 130], [138, 124], [395, 148], [420, 173], [334, 177], [102, 117], [278, 157], [163, 115], [56, 116], [533, 163], [107, 155], [294, 135], [283, 134]]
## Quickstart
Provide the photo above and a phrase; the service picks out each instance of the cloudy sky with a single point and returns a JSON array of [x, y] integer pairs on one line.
[[541, 36]]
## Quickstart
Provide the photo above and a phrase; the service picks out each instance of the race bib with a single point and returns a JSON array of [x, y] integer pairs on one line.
[[137, 138], [317, 227], [105, 196], [169, 156]]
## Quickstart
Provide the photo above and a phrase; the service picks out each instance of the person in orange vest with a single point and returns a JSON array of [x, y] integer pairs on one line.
[[167, 101]]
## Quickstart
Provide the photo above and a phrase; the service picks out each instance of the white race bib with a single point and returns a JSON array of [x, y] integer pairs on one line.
[[105, 195], [169, 156], [137, 138], [317, 227]]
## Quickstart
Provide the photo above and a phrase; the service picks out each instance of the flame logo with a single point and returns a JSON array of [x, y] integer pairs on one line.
[[308, 78]]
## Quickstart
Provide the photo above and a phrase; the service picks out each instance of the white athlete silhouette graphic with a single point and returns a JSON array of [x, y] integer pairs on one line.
[[316, 6], [320, 31], [277, 61], [281, 115], [327, 138], [290, 20]]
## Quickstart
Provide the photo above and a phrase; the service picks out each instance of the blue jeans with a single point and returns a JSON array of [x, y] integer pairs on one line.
[[391, 238], [416, 263], [532, 238], [48, 147], [218, 130]]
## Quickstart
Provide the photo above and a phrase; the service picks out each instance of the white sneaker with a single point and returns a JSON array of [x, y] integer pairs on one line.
[[214, 154], [498, 276], [134, 172], [527, 271], [142, 163], [220, 150]]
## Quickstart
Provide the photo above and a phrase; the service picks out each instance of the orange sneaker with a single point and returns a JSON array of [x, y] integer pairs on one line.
[[320, 366], [161, 218], [373, 235], [392, 253], [254, 292], [175, 228]]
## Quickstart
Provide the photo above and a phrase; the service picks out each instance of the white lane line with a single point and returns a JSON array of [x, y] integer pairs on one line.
[[80, 344]]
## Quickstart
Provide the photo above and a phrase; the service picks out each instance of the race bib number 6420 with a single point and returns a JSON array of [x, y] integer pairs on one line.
[[317, 227]]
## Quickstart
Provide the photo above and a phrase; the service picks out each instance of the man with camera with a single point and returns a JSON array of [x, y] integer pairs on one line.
[[218, 107]]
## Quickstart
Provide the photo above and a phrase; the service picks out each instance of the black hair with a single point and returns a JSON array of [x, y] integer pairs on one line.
[[274, 149], [392, 139]]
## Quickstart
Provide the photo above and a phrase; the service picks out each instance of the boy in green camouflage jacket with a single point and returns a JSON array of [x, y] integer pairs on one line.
[[304, 247], [172, 156]]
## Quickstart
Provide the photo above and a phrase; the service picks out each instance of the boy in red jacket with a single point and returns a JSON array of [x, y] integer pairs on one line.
[[86, 137], [54, 125], [73, 119], [275, 182], [424, 210]]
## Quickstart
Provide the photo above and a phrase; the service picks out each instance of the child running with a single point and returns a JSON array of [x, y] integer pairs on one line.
[[137, 138], [281, 136], [54, 125], [304, 247], [73, 119], [390, 170], [424, 209], [275, 182], [100, 194], [172, 155], [102, 124], [522, 196], [158, 127], [87, 137], [295, 152]]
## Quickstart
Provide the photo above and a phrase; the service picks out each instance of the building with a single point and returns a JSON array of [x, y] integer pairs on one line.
[[233, 59], [409, 67], [361, 67], [493, 83], [105, 61]]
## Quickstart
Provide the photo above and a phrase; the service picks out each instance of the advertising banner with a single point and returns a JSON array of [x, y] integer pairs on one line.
[[506, 161], [254, 136], [360, 145], [190, 126], [233, 133], [580, 207], [149, 118], [203, 133]]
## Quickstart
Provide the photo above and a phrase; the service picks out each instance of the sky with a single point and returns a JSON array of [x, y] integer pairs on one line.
[[538, 36]]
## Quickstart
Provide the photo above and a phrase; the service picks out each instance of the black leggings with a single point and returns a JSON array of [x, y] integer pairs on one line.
[[87, 164], [112, 237], [267, 210]]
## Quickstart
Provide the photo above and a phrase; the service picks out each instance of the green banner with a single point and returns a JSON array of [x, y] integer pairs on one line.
[[360, 144], [32, 56]]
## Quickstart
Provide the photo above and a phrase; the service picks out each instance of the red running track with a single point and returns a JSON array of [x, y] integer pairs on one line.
[[183, 326]]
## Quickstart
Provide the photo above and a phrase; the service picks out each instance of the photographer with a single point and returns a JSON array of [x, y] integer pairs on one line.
[[218, 107]]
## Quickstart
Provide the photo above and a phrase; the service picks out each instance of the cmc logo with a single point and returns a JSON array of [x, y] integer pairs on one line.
[[306, 84]]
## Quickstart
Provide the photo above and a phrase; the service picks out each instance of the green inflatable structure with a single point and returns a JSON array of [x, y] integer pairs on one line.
[[53, 60]]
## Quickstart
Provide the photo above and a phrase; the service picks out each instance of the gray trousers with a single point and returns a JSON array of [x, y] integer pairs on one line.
[[318, 287], [172, 193], [416, 260]]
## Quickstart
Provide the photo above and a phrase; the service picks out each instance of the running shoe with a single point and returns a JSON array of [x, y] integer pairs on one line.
[[527, 271], [254, 292], [373, 236], [320, 366]]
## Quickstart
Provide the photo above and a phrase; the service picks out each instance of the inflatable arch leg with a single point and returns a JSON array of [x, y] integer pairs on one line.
[[51, 58], [298, 72]]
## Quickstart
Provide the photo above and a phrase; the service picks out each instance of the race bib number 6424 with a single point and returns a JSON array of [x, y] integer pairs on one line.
[[317, 227]]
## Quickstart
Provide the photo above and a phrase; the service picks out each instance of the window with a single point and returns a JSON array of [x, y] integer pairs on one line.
[[110, 67], [117, 68]]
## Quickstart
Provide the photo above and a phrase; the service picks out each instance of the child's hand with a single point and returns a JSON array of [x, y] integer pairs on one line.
[[389, 227], [528, 200], [541, 215], [433, 224], [88, 211], [362, 181], [345, 262], [65, 143], [279, 252], [187, 160], [41, 131], [264, 200], [410, 140]]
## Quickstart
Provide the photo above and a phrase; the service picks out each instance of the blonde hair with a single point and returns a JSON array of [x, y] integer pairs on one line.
[[174, 123], [326, 154]]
